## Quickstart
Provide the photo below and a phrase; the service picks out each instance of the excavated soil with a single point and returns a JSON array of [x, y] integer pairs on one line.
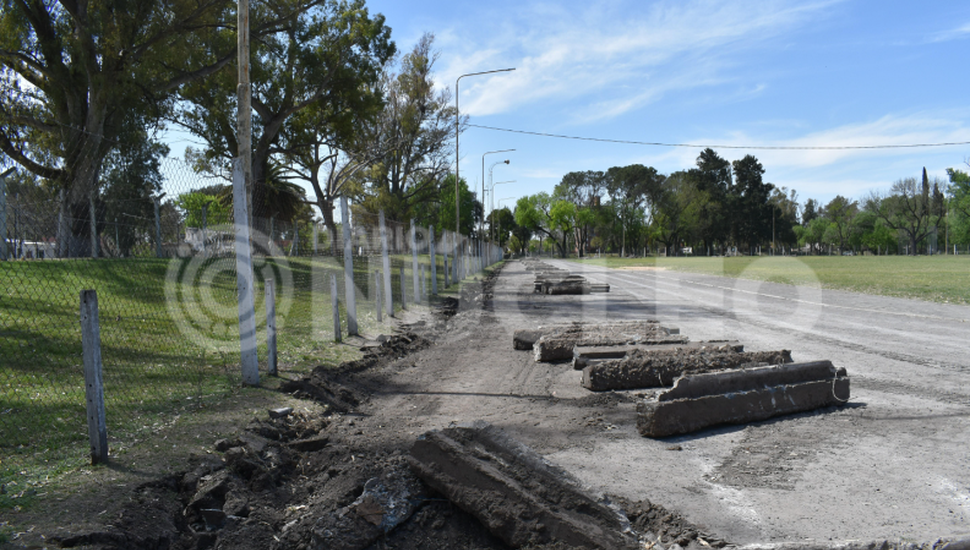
[[300, 480]]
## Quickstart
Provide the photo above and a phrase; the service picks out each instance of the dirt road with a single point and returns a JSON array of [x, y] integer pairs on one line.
[[894, 463]]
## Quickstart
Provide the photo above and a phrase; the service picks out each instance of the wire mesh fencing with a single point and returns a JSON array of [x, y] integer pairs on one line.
[[161, 257]]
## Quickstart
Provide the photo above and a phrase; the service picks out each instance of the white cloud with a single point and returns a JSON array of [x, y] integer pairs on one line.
[[958, 33], [631, 54]]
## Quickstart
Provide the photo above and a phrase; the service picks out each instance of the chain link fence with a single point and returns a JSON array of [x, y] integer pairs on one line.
[[160, 255]]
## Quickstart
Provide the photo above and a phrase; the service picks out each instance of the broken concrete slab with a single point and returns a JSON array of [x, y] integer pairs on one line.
[[592, 355], [559, 347], [525, 339], [519, 496], [741, 396], [650, 369]]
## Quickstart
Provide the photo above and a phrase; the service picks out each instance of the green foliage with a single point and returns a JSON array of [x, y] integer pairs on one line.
[[216, 212], [313, 64], [841, 213], [908, 210], [441, 211], [95, 69], [410, 138], [751, 213]]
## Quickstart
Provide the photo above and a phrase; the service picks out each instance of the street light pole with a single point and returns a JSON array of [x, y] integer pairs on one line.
[[457, 131], [482, 226]]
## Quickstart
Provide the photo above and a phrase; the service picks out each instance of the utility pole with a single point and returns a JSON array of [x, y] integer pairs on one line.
[[241, 183]]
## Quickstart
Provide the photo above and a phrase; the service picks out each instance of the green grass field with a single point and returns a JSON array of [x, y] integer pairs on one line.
[[169, 343], [943, 279]]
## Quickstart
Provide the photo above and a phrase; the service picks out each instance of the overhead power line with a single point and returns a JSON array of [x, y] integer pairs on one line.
[[723, 146]]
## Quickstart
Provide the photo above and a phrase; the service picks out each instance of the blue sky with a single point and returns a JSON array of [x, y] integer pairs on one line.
[[773, 73]]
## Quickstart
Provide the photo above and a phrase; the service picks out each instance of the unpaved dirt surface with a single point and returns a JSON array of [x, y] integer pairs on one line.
[[892, 464]]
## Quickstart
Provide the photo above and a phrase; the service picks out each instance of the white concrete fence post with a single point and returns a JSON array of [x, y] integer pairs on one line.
[[93, 382], [249, 362], [350, 291], [386, 259]]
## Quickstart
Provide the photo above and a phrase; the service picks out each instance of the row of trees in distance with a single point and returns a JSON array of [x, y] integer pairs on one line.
[[722, 207]]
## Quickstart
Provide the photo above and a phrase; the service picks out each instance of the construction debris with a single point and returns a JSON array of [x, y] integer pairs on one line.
[[560, 346], [558, 342], [642, 368], [519, 496], [525, 339], [740, 396], [552, 280], [584, 356]]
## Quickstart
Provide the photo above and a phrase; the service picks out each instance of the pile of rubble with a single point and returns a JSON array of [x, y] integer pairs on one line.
[[552, 280], [713, 382]]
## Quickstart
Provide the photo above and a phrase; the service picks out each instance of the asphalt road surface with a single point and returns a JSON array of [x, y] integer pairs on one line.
[[894, 463]]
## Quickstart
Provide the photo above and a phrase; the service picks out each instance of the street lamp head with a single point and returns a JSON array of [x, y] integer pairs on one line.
[[506, 161]]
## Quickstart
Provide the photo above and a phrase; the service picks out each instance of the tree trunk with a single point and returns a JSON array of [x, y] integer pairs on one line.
[[326, 208]]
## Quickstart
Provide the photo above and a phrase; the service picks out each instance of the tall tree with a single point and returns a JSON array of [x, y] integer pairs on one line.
[[132, 180], [633, 190], [959, 202], [712, 178], [585, 190], [751, 219], [784, 216], [316, 56], [810, 211], [905, 209], [554, 218], [73, 74], [410, 137], [841, 213]]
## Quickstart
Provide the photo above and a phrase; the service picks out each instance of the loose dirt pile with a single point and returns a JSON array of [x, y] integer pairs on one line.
[[338, 479]]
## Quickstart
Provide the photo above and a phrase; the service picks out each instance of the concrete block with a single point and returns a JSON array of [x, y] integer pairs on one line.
[[519, 496], [592, 355], [737, 397], [642, 368], [560, 346]]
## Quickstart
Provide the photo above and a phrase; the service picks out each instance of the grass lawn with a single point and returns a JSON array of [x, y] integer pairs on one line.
[[169, 345], [943, 279]]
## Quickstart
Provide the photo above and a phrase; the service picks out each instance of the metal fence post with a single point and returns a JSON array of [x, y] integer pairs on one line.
[[434, 262], [386, 259], [404, 290], [335, 303], [93, 384], [349, 289], [271, 361]]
